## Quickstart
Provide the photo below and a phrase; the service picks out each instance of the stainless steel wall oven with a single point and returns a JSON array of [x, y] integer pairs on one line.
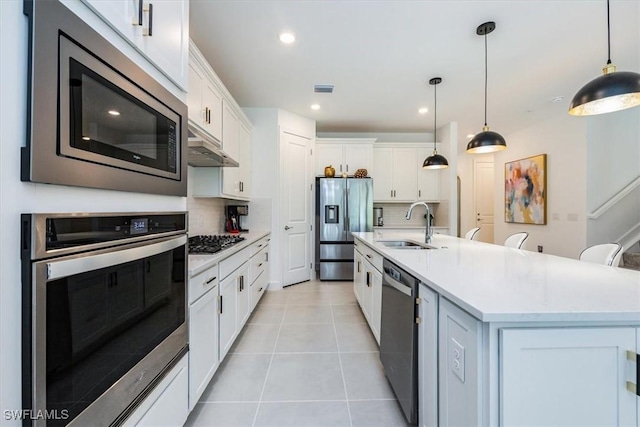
[[104, 312], [96, 119]]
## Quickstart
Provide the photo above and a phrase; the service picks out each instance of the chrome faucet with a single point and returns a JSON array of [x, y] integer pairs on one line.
[[427, 232]]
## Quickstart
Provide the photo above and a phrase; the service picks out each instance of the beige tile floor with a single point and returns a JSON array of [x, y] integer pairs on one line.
[[305, 358]]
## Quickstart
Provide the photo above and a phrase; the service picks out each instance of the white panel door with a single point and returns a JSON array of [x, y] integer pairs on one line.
[[572, 376], [296, 198], [484, 198], [382, 174], [328, 154], [405, 175]]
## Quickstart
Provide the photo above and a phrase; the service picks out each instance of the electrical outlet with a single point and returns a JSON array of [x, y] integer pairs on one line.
[[540, 248], [456, 357]]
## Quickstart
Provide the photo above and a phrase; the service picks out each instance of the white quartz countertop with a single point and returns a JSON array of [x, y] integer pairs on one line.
[[199, 263], [498, 284]]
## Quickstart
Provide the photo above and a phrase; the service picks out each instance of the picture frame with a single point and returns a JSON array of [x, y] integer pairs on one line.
[[525, 185]]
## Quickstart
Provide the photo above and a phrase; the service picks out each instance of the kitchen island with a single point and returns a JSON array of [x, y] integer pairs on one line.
[[510, 337]]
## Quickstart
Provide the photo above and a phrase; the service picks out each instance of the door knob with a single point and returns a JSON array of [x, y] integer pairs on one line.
[[286, 227]]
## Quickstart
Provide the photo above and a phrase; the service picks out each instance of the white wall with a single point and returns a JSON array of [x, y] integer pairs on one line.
[[613, 162], [17, 197], [265, 174], [563, 140]]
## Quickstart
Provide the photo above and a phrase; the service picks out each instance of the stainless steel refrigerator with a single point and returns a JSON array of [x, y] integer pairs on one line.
[[343, 205]]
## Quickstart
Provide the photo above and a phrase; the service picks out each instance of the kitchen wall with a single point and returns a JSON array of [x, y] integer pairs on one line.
[[394, 215], [563, 140], [18, 197], [613, 162]]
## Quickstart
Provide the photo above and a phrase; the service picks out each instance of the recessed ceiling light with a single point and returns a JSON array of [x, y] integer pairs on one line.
[[557, 99], [287, 38], [315, 106], [423, 110], [114, 112], [86, 138]]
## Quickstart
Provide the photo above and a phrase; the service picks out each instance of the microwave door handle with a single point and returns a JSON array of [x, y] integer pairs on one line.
[[59, 269]]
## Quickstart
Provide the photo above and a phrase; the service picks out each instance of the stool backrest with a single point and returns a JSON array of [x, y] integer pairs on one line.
[[472, 234], [516, 240], [606, 253]]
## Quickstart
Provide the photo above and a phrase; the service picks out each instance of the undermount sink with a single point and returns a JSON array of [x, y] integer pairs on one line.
[[405, 244]]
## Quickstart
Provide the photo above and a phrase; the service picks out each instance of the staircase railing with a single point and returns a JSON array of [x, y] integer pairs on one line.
[[615, 199]]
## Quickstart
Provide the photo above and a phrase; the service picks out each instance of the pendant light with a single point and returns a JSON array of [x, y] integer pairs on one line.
[[613, 91], [486, 141], [435, 161]]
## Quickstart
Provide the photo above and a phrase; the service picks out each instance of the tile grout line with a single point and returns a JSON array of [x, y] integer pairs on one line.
[[344, 381], [273, 354]]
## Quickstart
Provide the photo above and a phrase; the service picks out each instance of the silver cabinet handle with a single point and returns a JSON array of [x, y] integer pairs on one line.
[[633, 388], [149, 30], [286, 227]]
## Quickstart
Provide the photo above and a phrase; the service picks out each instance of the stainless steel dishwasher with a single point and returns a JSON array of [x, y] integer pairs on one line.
[[399, 337]]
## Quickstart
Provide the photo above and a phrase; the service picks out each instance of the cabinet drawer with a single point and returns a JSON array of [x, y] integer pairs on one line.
[[258, 264], [201, 283], [257, 288], [229, 265], [260, 245], [370, 255]]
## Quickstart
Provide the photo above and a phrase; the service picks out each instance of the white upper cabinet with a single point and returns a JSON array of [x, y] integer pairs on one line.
[[395, 176], [345, 155], [160, 31], [428, 179], [205, 102]]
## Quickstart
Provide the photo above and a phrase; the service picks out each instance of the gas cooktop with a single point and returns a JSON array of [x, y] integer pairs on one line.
[[212, 244]]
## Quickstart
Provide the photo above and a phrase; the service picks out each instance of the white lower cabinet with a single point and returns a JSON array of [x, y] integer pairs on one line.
[[228, 314], [428, 358], [258, 272], [203, 344], [167, 404], [459, 388], [367, 287], [243, 302], [568, 376]]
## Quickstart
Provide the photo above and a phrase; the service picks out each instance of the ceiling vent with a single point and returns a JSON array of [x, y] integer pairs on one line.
[[323, 88]]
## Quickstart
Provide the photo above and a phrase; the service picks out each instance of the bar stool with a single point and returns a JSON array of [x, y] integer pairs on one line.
[[516, 240], [606, 253], [472, 234]]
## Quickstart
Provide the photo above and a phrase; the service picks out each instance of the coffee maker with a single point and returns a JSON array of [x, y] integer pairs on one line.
[[233, 223], [377, 217]]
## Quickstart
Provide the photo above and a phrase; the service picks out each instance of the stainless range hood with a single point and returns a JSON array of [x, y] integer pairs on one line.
[[205, 151]]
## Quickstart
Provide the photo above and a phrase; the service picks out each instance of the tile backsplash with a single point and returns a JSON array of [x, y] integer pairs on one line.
[[206, 216], [394, 214]]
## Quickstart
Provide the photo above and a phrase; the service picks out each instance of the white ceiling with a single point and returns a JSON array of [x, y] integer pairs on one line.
[[380, 56]]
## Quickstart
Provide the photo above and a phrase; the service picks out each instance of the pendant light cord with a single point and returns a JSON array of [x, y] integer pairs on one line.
[[486, 73], [435, 117], [608, 36]]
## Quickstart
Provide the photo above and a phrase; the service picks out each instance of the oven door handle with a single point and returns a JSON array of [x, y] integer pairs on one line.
[[391, 282], [88, 262]]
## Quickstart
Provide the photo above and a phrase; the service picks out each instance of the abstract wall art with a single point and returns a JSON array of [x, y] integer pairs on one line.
[[525, 188]]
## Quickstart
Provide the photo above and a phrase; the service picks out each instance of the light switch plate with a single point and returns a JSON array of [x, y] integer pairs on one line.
[[456, 358]]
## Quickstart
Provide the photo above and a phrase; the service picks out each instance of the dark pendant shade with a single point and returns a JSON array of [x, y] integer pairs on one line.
[[486, 142], [610, 92], [435, 161]]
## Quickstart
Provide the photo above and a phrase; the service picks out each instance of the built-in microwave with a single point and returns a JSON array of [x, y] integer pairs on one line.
[[96, 119]]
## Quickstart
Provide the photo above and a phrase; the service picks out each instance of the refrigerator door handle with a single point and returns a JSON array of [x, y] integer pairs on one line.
[[346, 209]]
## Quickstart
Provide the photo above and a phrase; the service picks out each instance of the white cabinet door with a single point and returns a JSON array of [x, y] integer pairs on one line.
[[212, 106], [203, 344], [357, 156], [376, 303], [329, 154], [382, 174], [459, 384], [428, 179], [358, 276], [367, 293], [569, 376], [228, 314], [230, 176], [405, 175], [194, 95], [243, 301], [428, 358], [244, 171], [168, 44]]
